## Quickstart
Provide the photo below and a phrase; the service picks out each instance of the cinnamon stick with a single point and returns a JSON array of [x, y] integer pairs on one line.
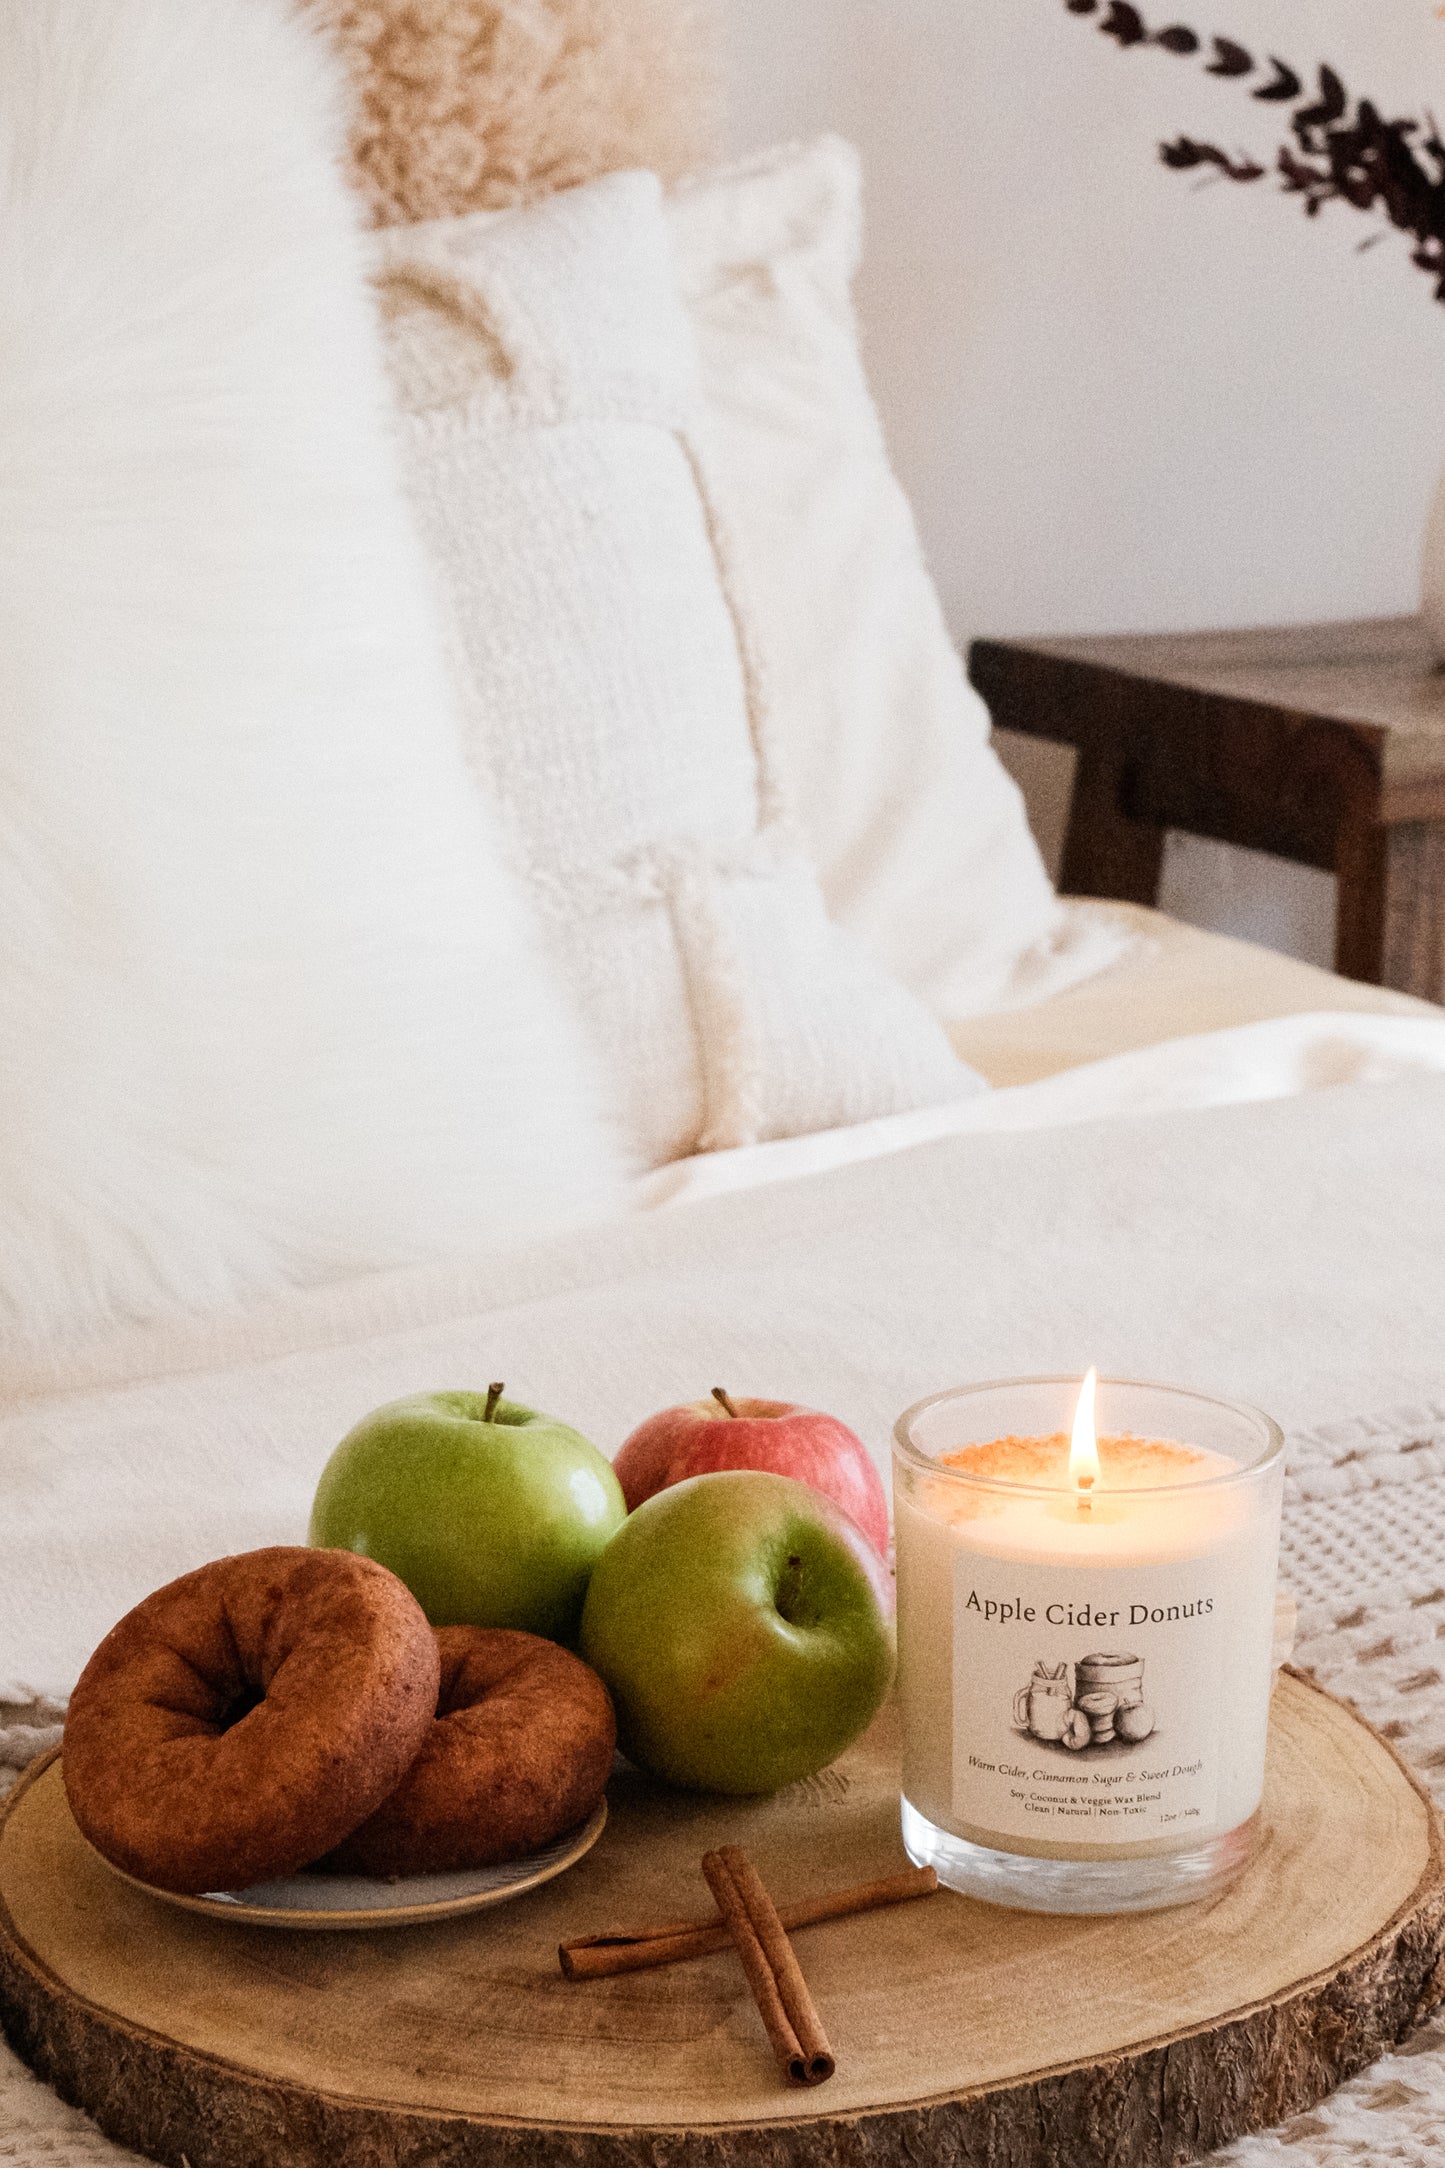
[[640, 1949], [772, 1969]]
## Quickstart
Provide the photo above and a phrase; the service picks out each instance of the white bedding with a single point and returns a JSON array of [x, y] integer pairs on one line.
[[1289, 1253], [1309, 1278], [1277, 1059]]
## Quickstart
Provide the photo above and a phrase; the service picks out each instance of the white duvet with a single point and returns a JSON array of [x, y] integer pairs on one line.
[[1276, 1059], [1288, 1253]]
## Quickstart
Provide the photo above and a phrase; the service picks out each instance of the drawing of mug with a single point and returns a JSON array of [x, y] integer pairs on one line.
[[1042, 1707]]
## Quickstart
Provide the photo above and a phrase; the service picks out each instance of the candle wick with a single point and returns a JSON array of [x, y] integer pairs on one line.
[[1086, 1484]]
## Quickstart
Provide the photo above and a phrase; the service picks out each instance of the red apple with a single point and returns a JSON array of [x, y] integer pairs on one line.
[[708, 1436]]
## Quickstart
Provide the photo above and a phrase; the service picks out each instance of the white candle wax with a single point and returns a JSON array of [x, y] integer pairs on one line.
[[1085, 1674]]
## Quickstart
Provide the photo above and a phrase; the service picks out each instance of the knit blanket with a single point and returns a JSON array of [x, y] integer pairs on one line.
[[1288, 1254]]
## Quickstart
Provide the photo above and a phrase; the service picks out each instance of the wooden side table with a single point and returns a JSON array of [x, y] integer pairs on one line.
[[1321, 743]]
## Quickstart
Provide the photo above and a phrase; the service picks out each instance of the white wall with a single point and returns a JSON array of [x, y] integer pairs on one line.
[[1120, 400]]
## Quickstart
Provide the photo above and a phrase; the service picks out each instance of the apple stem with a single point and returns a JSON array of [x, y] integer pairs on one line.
[[722, 1400], [494, 1394]]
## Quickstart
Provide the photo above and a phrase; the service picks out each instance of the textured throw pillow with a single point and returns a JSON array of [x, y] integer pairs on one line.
[[270, 1009], [918, 835], [613, 689]]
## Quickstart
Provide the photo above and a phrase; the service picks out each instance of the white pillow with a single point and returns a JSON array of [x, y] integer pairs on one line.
[[919, 837], [269, 1004], [613, 689]]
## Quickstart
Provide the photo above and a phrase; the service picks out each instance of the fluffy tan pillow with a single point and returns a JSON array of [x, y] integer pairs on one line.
[[472, 105]]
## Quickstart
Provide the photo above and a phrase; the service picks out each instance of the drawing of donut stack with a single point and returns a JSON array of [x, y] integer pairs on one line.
[[1105, 1702]]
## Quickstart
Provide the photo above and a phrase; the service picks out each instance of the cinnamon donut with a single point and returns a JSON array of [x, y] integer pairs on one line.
[[520, 1751], [245, 1718]]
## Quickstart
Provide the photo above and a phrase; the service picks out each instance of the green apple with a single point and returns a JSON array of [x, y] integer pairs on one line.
[[492, 1514], [744, 1626]]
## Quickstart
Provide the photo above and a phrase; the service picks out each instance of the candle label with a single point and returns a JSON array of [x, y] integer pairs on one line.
[[1087, 1705]]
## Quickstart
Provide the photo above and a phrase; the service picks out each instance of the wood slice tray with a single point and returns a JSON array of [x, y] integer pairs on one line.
[[965, 2035]]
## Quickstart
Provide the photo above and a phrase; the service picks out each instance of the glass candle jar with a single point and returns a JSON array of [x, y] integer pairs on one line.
[[1084, 1647]]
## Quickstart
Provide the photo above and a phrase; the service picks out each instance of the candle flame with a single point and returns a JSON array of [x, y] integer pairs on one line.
[[1084, 1448]]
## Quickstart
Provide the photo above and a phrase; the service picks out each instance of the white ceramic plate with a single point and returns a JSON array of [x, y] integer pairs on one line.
[[338, 1900]]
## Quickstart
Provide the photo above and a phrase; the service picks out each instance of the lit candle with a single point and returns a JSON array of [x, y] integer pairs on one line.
[[1085, 1625]]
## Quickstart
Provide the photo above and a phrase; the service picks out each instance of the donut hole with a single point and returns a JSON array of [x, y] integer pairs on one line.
[[239, 1707]]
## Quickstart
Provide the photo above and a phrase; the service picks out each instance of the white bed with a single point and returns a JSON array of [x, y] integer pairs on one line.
[[1044, 1227], [855, 1272], [1181, 1019], [1065, 1205]]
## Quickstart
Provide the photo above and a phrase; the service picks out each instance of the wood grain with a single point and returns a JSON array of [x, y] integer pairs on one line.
[[1323, 744], [1376, 676], [964, 2035]]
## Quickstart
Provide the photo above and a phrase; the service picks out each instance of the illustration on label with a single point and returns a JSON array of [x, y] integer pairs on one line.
[[1104, 1701], [1062, 1733]]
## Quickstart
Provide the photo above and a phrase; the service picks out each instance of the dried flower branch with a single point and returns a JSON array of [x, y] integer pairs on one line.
[[1184, 154], [1124, 23], [1342, 150], [1230, 59], [1285, 88]]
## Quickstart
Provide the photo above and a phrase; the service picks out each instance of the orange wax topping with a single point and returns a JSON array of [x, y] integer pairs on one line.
[[1125, 1463]]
